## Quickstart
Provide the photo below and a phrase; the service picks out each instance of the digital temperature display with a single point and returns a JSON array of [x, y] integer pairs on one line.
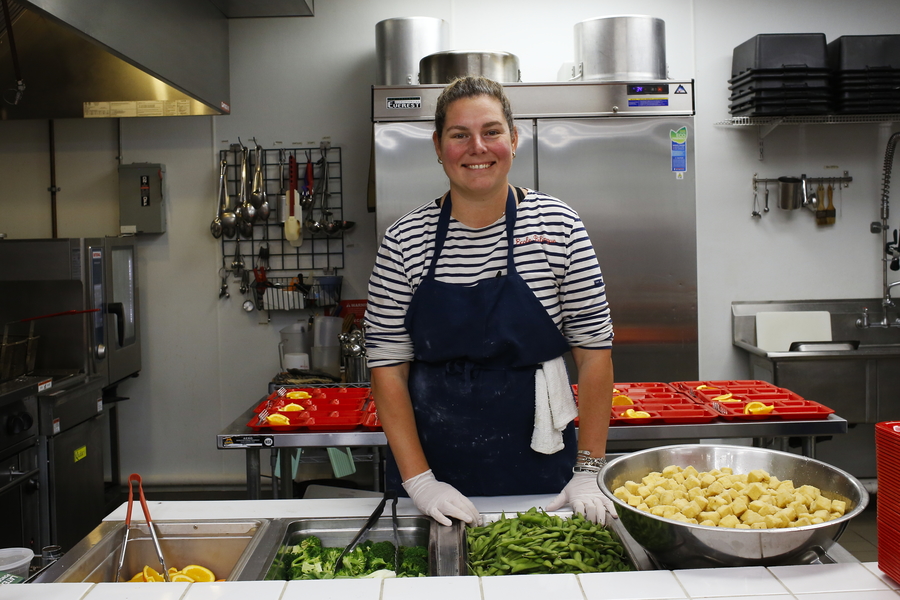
[[648, 89]]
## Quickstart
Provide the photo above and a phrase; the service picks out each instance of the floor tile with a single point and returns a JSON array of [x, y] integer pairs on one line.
[[45, 591], [530, 587], [845, 577], [873, 566], [433, 588], [236, 590], [738, 581], [333, 589], [631, 585]]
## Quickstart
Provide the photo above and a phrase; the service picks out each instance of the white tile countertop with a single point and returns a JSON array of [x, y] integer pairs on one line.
[[842, 581]]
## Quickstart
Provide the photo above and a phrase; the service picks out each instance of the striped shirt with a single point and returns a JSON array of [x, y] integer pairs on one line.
[[552, 252]]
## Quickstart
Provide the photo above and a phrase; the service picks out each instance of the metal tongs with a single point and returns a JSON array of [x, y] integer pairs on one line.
[[372, 520], [159, 554]]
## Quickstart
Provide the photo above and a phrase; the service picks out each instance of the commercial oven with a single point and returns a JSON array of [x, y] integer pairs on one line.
[[621, 154]]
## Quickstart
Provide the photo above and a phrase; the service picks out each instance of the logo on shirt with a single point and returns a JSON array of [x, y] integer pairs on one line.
[[535, 239]]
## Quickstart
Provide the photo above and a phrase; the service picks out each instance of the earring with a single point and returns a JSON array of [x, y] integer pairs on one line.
[[514, 153], [440, 162]]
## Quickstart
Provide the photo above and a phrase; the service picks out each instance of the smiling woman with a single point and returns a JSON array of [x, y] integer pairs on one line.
[[473, 301]]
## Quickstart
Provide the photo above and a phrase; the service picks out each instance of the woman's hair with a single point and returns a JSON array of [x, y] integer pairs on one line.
[[470, 87]]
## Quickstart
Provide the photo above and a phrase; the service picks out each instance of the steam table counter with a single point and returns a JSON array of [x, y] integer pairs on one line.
[[238, 436]]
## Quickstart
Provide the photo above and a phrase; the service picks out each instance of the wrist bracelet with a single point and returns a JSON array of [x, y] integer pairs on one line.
[[587, 464]]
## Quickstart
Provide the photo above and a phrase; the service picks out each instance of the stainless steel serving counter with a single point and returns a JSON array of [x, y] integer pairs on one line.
[[238, 436]]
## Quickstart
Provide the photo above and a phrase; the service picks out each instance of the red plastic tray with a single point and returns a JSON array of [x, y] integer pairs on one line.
[[663, 398], [749, 395], [691, 386], [315, 403], [785, 410], [629, 388], [313, 420], [660, 414], [372, 422]]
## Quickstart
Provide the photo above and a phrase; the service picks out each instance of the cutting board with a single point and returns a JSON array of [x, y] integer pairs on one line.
[[775, 331]]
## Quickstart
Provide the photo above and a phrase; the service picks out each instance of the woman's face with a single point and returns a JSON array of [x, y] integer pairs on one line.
[[476, 146]]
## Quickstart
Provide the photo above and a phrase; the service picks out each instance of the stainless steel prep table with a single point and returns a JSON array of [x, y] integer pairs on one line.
[[239, 436]]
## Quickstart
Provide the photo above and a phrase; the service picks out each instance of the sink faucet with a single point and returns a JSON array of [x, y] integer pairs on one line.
[[887, 248]]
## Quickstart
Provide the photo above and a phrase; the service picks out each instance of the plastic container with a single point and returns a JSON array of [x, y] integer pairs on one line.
[[860, 52], [16, 561], [780, 51]]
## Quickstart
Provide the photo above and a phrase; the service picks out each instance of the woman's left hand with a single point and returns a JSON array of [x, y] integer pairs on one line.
[[583, 494]]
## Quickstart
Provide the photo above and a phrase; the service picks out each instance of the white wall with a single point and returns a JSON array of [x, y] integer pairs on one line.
[[297, 80]]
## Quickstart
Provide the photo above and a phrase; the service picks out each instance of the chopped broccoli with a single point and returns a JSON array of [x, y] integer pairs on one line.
[[413, 562], [310, 559], [381, 555]]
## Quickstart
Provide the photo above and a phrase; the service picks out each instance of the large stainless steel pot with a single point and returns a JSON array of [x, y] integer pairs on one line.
[[677, 545], [400, 43], [444, 67], [621, 48]]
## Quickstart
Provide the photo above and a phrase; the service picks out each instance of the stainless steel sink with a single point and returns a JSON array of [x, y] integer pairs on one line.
[[227, 547]]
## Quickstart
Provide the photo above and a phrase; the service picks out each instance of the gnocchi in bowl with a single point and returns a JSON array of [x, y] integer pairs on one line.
[[700, 505]]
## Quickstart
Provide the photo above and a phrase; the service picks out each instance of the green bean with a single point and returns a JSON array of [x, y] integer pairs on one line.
[[535, 542]]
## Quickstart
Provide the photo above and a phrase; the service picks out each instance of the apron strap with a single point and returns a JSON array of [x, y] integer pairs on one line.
[[444, 225]]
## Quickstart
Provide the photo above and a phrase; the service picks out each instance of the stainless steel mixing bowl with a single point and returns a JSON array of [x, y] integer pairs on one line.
[[677, 545]]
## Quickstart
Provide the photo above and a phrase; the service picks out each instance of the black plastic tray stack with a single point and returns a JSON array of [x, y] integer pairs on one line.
[[781, 74], [866, 73]]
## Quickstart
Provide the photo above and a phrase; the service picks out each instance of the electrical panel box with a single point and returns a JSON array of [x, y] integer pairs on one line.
[[141, 198]]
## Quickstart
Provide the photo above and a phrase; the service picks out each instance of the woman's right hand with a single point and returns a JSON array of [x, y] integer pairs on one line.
[[440, 500]]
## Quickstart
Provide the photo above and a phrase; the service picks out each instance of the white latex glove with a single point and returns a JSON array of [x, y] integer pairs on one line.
[[440, 500], [583, 494]]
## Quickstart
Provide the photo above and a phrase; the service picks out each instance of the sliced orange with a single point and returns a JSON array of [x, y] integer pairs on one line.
[[758, 408], [277, 419], [615, 391], [622, 400], [151, 574], [298, 395], [291, 406], [703, 386], [172, 570], [724, 398], [636, 414], [139, 576], [179, 576], [198, 573]]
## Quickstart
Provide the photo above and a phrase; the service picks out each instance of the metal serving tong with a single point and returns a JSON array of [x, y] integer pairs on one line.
[[370, 522], [159, 554]]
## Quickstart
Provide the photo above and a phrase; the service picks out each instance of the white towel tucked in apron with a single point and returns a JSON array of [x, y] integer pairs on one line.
[[554, 406]]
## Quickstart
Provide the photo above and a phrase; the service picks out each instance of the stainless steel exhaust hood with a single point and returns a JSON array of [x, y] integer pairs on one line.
[[128, 58]]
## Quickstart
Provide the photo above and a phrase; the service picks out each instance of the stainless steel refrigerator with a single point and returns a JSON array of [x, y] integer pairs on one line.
[[621, 154]]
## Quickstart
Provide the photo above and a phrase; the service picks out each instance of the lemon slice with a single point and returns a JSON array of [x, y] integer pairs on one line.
[[198, 573], [758, 408], [622, 400], [277, 419], [291, 406], [724, 398], [636, 414], [298, 395]]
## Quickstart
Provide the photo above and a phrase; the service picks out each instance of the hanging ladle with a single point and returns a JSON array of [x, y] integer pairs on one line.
[[258, 197], [248, 211], [216, 227]]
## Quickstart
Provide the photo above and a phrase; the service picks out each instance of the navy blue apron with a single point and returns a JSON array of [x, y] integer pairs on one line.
[[472, 381]]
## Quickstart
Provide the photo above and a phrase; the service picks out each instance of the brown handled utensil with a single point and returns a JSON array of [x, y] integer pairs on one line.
[[134, 477]]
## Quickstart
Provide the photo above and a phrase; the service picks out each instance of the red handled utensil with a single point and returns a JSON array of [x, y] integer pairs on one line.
[[159, 554]]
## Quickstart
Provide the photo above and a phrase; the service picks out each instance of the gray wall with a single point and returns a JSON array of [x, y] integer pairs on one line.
[[297, 80]]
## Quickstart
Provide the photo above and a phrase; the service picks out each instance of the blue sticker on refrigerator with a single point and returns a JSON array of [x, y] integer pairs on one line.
[[678, 140]]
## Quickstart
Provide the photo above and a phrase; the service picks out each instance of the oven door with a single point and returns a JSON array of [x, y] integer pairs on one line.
[[19, 500], [112, 287]]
